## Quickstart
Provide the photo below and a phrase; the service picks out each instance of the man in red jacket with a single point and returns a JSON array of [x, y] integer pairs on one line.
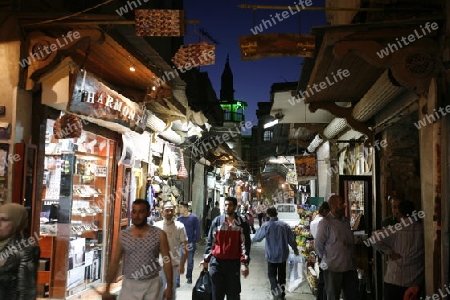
[[228, 252]]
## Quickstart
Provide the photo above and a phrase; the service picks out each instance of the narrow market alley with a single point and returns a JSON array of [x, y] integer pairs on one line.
[[256, 285]]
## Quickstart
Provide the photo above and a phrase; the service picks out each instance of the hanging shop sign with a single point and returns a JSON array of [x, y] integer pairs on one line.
[[92, 98], [276, 44], [160, 22], [306, 166], [291, 177], [195, 55]]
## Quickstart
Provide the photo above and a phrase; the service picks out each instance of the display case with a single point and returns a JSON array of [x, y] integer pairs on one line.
[[357, 191], [76, 205]]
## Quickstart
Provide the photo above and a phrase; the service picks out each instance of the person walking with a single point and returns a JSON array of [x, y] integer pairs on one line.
[[140, 246], [324, 209], [227, 252], [208, 220], [334, 246], [192, 225], [279, 237], [405, 247], [176, 235], [250, 215], [19, 255], [215, 211], [261, 212]]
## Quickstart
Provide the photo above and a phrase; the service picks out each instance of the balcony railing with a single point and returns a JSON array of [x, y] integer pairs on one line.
[[233, 117]]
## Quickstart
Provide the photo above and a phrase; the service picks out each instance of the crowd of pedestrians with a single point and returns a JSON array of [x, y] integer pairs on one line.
[[155, 255]]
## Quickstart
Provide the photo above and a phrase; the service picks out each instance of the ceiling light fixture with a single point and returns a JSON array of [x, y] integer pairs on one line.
[[132, 69]]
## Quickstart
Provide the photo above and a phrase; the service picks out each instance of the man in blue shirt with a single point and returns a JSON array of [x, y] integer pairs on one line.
[[279, 237], [192, 226]]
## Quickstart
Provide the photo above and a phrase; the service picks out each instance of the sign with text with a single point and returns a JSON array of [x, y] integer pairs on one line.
[[92, 98], [276, 44]]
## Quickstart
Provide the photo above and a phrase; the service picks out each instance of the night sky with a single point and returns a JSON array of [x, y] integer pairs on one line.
[[225, 22]]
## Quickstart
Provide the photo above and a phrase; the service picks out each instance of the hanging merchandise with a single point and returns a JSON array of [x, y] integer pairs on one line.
[[195, 55], [182, 172], [164, 167], [172, 162], [127, 158], [160, 22], [67, 126]]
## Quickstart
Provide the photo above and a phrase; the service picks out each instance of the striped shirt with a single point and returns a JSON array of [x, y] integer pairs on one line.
[[141, 254], [408, 241]]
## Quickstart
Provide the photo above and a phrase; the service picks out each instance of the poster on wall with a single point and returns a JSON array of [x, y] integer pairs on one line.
[[306, 166], [77, 253]]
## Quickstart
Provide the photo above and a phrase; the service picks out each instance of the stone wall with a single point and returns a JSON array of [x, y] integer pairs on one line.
[[400, 163]]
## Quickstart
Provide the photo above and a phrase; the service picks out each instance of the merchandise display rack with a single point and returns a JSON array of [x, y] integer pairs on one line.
[[75, 198], [305, 242]]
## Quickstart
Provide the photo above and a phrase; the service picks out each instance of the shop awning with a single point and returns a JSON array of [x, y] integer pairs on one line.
[[354, 74]]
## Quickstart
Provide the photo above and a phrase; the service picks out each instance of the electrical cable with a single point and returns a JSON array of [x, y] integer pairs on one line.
[[72, 15]]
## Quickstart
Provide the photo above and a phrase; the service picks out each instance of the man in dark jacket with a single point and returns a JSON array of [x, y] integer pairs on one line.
[[227, 252]]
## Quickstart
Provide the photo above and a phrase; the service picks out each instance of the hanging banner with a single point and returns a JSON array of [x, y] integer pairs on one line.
[[291, 177], [92, 98], [306, 166], [276, 44], [195, 55], [160, 22]]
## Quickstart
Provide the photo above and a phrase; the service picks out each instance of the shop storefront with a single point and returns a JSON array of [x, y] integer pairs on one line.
[[90, 176]]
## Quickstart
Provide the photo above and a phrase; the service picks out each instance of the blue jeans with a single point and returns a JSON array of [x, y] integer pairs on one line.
[[190, 261]]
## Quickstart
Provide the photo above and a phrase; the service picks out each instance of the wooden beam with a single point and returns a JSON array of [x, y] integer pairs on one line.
[[343, 112], [316, 8]]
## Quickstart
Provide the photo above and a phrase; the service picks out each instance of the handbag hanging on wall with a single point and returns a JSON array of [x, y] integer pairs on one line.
[[182, 172]]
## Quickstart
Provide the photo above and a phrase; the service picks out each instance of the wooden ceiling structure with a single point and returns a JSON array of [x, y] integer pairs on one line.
[[356, 48], [109, 53]]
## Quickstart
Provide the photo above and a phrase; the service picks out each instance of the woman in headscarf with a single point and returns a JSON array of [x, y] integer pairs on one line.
[[19, 256]]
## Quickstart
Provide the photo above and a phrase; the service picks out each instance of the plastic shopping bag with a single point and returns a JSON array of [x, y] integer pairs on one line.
[[202, 289], [296, 263]]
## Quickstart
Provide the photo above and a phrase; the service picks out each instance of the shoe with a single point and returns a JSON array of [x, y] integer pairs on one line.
[[189, 281], [178, 285]]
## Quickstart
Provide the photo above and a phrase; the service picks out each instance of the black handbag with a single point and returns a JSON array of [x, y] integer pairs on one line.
[[202, 289]]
